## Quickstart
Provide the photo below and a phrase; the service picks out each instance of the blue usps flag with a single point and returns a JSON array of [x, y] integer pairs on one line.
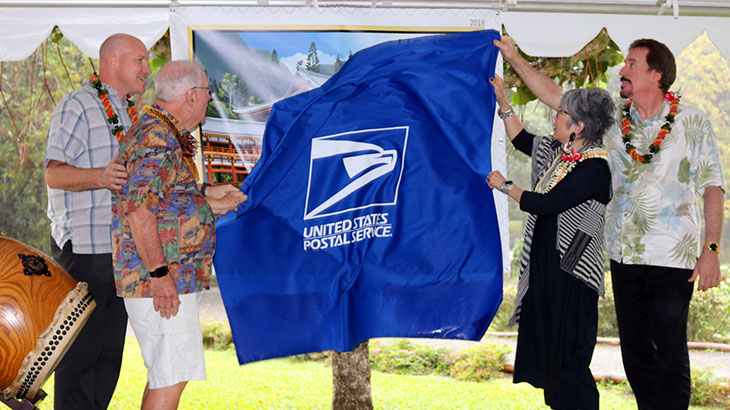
[[368, 215]]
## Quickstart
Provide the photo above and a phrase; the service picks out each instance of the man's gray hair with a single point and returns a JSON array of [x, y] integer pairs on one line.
[[594, 107], [176, 78]]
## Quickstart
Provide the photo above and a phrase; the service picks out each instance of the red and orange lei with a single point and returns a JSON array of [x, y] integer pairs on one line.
[[112, 117], [627, 123]]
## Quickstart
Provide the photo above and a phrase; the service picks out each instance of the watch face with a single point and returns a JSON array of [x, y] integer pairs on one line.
[[713, 247]]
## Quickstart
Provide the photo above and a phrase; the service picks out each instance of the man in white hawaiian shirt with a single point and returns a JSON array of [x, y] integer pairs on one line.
[[653, 222]]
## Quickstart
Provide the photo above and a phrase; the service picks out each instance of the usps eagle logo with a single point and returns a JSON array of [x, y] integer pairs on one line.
[[355, 170]]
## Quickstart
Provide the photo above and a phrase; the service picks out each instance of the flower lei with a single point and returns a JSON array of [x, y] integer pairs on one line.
[[627, 123], [566, 165], [112, 117], [186, 140], [571, 156]]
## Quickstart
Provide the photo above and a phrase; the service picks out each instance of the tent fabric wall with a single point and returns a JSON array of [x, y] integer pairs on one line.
[[22, 29], [557, 35]]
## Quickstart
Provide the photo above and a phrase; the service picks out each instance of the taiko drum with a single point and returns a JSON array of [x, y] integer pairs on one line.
[[42, 308]]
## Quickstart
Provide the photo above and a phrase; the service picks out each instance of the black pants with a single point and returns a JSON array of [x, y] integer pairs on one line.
[[86, 377], [652, 304]]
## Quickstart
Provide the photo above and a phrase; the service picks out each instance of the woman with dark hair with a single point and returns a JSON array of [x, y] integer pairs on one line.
[[561, 272]]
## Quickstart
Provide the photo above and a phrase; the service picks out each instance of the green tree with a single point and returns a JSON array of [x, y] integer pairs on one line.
[[233, 90], [29, 91], [338, 63], [275, 57], [703, 81], [216, 109], [312, 63], [588, 67]]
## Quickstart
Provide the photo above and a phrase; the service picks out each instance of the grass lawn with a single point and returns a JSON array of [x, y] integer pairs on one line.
[[282, 384]]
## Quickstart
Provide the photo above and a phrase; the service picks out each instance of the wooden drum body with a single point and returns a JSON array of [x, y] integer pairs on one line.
[[42, 308]]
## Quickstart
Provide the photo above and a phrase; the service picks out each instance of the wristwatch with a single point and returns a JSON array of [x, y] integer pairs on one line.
[[506, 186], [506, 114], [715, 247], [159, 272]]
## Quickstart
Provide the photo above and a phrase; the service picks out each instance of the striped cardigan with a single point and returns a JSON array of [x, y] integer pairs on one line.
[[580, 231]]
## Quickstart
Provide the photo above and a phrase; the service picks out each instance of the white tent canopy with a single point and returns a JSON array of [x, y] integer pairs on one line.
[[540, 27]]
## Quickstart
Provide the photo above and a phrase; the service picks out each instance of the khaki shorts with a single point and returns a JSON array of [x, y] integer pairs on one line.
[[172, 349]]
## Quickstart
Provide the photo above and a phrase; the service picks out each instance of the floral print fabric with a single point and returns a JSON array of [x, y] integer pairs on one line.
[[655, 215], [161, 182]]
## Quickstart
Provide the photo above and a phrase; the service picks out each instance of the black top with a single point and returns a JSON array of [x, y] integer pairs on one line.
[[590, 179]]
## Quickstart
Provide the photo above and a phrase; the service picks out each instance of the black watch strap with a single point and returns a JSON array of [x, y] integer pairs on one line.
[[160, 272]]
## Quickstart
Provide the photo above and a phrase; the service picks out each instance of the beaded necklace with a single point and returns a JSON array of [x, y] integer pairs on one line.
[[628, 122], [112, 117], [561, 167], [186, 140]]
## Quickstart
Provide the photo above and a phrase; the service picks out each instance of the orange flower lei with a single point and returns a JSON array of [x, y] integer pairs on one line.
[[112, 117], [655, 146]]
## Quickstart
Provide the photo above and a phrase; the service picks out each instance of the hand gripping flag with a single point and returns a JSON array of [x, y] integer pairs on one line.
[[368, 215]]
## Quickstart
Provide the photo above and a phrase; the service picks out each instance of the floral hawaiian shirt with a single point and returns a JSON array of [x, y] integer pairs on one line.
[[655, 215], [160, 181]]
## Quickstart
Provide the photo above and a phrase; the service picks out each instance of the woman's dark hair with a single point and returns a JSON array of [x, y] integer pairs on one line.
[[660, 59], [594, 107]]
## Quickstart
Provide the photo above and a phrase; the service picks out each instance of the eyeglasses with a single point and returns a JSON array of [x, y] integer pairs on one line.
[[561, 109], [209, 88]]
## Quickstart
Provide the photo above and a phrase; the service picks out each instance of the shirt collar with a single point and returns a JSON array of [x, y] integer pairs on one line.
[[659, 116], [170, 116]]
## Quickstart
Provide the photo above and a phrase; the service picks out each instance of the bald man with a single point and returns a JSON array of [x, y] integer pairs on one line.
[[81, 173]]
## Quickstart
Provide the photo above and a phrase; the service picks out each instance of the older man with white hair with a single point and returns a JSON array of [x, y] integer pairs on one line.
[[163, 233]]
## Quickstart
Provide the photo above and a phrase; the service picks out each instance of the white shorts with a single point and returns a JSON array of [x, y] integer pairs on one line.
[[172, 349]]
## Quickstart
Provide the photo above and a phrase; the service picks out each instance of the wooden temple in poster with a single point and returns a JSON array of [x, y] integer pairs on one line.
[[232, 146]]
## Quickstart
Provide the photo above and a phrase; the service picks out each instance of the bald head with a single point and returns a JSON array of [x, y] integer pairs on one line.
[[116, 43], [123, 63]]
